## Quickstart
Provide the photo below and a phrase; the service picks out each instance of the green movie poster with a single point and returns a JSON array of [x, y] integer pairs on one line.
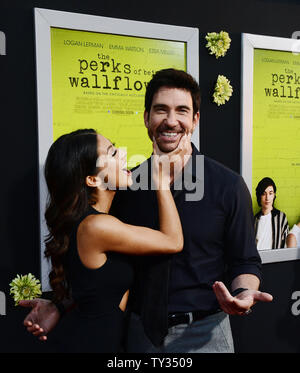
[[99, 81], [276, 127]]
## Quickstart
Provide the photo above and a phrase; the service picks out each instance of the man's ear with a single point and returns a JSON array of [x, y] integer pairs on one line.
[[92, 181], [146, 118], [196, 120]]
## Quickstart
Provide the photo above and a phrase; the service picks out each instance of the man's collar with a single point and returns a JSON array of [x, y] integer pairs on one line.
[[191, 180], [195, 154], [274, 212]]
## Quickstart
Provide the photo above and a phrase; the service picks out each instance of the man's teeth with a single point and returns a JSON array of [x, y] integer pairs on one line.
[[170, 134]]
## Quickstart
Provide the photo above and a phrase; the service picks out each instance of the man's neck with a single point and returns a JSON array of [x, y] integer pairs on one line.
[[266, 211]]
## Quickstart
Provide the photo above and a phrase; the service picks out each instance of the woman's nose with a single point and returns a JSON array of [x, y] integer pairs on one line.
[[123, 153]]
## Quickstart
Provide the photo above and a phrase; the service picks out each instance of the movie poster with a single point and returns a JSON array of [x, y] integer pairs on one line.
[[99, 81], [276, 127]]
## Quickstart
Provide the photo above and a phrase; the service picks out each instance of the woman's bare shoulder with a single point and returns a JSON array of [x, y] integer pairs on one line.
[[93, 224]]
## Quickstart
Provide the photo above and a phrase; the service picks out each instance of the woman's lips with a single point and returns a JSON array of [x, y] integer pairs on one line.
[[126, 171]]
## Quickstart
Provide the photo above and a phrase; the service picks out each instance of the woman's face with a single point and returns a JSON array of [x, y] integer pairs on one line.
[[113, 165], [267, 198]]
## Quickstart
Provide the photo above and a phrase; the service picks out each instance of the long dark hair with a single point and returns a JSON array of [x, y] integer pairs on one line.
[[71, 158]]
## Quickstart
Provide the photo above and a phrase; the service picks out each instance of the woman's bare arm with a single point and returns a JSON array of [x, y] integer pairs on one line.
[[107, 233]]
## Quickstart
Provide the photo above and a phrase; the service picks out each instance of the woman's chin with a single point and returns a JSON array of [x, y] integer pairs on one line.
[[129, 181]]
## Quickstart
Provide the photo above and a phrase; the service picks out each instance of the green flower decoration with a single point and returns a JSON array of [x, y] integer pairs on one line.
[[223, 90], [25, 288], [218, 44]]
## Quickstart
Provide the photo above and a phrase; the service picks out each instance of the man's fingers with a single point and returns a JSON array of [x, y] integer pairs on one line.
[[228, 303], [263, 297], [242, 305], [217, 292], [223, 296], [222, 292]]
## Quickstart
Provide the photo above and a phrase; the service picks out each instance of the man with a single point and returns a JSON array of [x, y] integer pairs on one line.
[[270, 224], [180, 303]]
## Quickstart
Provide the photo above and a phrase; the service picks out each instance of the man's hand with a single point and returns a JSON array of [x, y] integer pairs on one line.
[[241, 303], [42, 318]]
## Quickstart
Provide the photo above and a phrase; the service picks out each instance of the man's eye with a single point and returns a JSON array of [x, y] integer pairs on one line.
[[160, 110]]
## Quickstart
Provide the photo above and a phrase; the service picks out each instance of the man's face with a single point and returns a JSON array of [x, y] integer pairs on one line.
[[267, 198], [170, 117]]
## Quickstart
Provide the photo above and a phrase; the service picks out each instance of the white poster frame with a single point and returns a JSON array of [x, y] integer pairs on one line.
[[44, 20], [250, 42]]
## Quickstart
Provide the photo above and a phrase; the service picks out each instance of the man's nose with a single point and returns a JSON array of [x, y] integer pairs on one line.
[[171, 119]]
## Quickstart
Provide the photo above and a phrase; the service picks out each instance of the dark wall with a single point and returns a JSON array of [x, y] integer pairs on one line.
[[271, 328]]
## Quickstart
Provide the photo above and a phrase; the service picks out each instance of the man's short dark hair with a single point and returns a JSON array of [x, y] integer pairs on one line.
[[173, 78], [262, 186]]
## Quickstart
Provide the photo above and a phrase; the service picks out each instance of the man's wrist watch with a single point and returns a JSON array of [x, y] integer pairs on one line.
[[238, 291]]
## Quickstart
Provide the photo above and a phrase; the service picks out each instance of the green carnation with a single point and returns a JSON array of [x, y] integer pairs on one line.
[[218, 43], [25, 288], [223, 90]]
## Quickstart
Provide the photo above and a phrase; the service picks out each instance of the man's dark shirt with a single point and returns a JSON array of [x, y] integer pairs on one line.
[[219, 244]]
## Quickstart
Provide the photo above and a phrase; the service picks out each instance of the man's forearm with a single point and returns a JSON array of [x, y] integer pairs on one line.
[[247, 281]]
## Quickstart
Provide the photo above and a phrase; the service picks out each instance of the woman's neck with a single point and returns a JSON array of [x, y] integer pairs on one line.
[[104, 200]]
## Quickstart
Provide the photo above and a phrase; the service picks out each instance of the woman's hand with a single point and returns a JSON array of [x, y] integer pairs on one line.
[[42, 318], [167, 166]]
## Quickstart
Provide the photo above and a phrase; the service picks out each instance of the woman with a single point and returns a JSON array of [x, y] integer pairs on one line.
[[88, 247], [271, 225]]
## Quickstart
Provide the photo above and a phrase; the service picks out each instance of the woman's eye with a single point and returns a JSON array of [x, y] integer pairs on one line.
[[114, 153]]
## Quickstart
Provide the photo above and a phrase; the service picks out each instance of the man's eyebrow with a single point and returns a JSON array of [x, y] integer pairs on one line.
[[183, 107], [157, 106]]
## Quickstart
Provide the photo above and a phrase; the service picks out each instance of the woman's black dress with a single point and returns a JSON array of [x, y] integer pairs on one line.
[[97, 324]]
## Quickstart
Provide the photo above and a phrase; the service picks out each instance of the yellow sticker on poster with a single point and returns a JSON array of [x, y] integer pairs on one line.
[[99, 81], [276, 127]]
